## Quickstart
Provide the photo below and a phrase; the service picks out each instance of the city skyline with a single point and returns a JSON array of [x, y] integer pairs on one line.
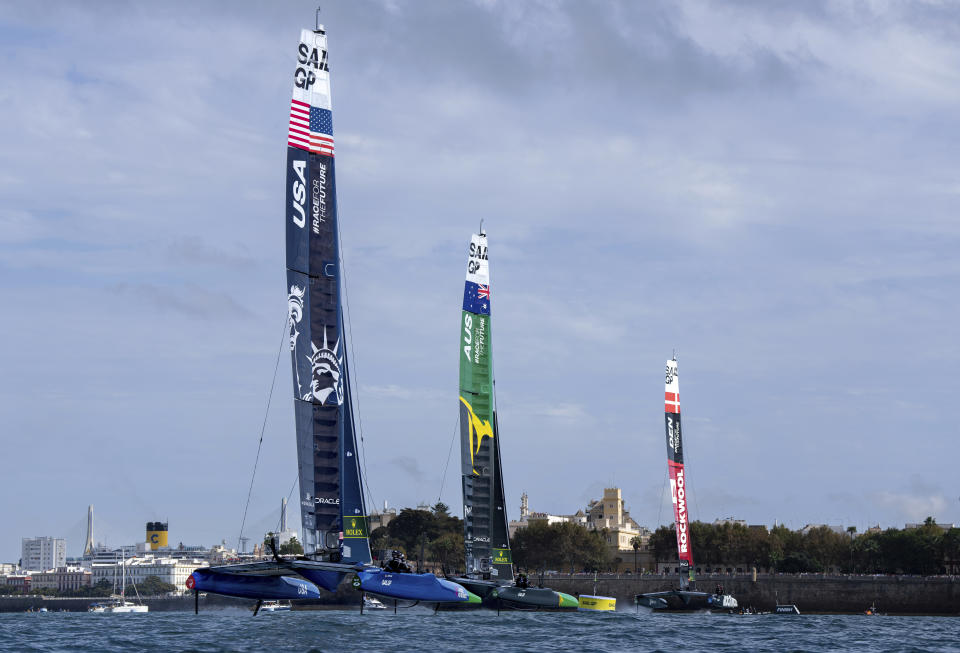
[[769, 190]]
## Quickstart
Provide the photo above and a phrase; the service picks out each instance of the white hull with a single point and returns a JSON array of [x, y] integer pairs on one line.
[[128, 608], [274, 606]]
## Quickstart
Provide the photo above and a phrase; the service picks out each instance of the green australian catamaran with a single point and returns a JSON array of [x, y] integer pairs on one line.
[[489, 565]]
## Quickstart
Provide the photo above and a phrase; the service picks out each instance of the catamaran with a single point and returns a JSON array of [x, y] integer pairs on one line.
[[489, 564], [687, 597], [332, 507]]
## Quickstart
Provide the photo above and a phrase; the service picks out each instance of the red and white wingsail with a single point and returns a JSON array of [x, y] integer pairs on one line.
[[678, 478]]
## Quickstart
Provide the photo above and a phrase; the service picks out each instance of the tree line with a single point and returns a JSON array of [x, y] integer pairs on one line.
[[434, 538], [427, 537], [925, 550], [151, 586]]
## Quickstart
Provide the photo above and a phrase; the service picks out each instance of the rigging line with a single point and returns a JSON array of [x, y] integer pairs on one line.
[[662, 487], [443, 479], [263, 428], [690, 491], [352, 380]]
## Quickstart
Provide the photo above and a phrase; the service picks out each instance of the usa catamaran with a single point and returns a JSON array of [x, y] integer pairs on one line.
[[486, 538], [333, 511], [687, 597]]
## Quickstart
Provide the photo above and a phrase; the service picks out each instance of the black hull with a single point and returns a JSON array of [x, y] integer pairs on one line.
[[686, 601], [495, 596]]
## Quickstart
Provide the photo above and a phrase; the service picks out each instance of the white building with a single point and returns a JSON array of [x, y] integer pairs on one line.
[[170, 570], [42, 553]]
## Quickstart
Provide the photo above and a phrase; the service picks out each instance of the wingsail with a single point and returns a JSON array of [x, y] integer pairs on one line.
[[330, 490], [484, 517], [678, 479], [332, 510], [686, 599], [489, 561]]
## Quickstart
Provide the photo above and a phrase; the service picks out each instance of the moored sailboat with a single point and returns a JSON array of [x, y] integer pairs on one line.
[[687, 598], [489, 564], [120, 605], [333, 512]]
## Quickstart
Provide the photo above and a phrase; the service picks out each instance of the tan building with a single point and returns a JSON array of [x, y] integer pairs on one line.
[[377, 519], [20, 582], [62, 579], [610, 514]]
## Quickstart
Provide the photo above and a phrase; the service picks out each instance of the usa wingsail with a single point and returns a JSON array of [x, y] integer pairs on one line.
[[332, 508]]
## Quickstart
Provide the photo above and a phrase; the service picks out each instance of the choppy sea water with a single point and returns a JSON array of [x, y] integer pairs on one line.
[[418, 629]]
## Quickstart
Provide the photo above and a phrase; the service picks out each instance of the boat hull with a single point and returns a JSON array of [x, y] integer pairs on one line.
[[593, 603], [426, 588], [252, 587], [128, 609], [686, 601], [497, 596]]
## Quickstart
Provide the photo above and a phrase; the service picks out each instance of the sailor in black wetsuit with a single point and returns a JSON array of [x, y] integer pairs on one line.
[[397, 564], [521, 581]]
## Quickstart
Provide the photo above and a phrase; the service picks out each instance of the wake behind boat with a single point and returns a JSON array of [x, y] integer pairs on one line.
[[687, 598], [333, 512], [488, 559]]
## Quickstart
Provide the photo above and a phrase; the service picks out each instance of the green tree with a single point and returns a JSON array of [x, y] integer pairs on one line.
[[291, 547], [447, 549], [153, 586], [379, 539], [664, 544], [636, 542], [407, 527]]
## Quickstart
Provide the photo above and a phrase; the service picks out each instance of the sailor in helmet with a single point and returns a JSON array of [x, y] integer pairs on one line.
[[397, 563]]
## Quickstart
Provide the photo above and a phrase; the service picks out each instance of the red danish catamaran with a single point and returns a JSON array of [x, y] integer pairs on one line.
[[686, 598]]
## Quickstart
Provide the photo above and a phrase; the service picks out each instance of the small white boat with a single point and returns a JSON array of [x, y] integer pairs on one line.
[[127, 606], [372, 603], [275, 606], [121, 605]]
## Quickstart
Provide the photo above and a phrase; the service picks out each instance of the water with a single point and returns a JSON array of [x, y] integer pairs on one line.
[[418, 629]]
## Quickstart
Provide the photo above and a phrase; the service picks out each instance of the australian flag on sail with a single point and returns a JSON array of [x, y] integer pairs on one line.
[[311, 128], [476, 298]]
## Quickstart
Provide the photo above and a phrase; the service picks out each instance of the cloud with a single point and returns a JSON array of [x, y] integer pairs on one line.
[[189, 300], [768, 187], [913, 507]]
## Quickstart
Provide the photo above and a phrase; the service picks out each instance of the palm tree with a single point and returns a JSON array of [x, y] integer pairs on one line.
[[635, 542]]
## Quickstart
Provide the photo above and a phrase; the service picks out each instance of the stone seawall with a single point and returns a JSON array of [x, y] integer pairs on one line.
[[852, 594], [157, 604], [890, 594]]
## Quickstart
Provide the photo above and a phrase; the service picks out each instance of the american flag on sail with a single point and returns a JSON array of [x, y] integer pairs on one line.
[[311, 128]]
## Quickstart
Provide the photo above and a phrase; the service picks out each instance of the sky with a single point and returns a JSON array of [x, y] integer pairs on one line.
[[768, 189]]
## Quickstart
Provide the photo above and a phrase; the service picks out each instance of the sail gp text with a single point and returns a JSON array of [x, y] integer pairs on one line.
[[308, 57]]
